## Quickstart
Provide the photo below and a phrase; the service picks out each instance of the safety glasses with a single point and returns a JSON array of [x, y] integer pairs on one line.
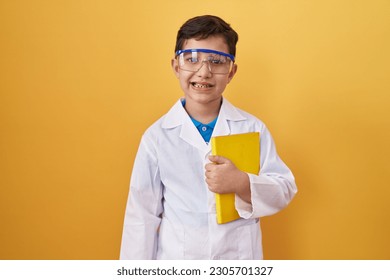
[[193, 59]]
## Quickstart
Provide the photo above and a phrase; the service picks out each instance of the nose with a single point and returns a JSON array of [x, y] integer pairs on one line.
[[204, 70]]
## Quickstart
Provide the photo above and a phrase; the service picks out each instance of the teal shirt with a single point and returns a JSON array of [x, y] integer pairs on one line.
[[205, 130]]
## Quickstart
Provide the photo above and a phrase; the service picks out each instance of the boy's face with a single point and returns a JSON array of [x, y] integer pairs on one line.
[[203, 87]]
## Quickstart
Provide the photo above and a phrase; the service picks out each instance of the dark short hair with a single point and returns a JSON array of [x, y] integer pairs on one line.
[[202, 27]]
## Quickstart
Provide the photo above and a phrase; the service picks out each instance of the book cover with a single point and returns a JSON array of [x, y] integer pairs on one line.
[[244, 151]]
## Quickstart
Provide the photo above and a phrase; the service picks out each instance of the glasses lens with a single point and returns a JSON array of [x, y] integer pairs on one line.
[[194, 60]]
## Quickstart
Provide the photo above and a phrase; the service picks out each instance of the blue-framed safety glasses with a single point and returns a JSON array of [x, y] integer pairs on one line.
[[192, 60]]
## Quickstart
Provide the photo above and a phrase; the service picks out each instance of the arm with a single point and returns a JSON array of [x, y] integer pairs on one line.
[[144, 207], [272, 189], [256, 195]]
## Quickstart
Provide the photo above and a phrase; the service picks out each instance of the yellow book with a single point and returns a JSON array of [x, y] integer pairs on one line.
[[244, 151]]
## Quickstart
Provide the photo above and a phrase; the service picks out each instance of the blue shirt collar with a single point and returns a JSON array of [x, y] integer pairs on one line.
[[206, 130]]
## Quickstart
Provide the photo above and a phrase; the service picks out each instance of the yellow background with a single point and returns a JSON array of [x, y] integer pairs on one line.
[[81, 80]]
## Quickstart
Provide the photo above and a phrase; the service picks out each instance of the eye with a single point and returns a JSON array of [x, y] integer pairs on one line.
[[217, 60], [192, 59]]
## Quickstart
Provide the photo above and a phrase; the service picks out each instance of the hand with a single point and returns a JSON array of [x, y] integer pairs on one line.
[[222, 176]]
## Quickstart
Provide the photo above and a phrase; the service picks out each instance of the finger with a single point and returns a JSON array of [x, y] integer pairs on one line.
[[209, 167], [209, 183], [218, 159]]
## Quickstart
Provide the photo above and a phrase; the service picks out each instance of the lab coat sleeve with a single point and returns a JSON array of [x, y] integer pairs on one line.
[[271, 190], [144, 206]]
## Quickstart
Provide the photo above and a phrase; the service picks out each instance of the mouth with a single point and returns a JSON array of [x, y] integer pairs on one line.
[[201, 85]]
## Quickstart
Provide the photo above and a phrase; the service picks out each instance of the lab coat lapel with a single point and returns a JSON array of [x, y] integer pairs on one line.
[[227, 113], [191, 135], [222, 126], [177, 116]]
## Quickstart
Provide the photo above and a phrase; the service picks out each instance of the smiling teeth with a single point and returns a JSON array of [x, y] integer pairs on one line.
[[200, 85]]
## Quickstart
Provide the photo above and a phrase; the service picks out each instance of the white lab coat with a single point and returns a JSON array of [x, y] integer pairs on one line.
[[170, 212]]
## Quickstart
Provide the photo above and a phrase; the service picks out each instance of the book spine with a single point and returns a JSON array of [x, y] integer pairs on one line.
[[217, 195]]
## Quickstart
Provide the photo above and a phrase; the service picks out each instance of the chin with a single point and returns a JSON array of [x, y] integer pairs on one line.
[[203, 98]]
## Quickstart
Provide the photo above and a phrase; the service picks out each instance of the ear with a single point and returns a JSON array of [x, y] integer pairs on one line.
[[175, 67], [232, 73]]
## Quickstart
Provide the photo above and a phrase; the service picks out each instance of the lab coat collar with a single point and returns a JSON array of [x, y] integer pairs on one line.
[[227, 113], [177, 116]]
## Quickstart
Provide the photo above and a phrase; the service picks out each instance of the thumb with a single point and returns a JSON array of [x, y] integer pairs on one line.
[[218, 159]]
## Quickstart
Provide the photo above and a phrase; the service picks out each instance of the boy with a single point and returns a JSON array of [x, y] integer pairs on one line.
[[171, 207]]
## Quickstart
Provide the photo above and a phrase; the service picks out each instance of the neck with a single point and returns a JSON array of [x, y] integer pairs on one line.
[[204, 113]]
